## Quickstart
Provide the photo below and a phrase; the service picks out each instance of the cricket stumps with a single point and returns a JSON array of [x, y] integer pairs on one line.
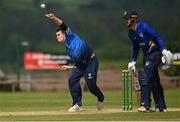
[[127, 90]]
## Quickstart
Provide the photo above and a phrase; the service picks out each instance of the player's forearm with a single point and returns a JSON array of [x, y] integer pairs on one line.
[[161, 43], [57, 20], [61, 24], [135, 52], [134, 56]]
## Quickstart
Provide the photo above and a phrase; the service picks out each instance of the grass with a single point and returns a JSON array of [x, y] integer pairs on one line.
[[102, 117], [54, 101], [112, 64]]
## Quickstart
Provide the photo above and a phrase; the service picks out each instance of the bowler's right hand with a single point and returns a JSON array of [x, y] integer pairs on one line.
[[132, 67]]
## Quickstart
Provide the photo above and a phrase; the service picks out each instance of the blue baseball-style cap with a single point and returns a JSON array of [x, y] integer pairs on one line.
[[130, 14]]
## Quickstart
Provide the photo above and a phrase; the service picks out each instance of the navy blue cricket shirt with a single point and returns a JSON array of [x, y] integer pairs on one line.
[[146, 39], [76, 48]]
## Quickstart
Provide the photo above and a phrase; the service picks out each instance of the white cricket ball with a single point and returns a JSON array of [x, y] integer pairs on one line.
[[43, 5]]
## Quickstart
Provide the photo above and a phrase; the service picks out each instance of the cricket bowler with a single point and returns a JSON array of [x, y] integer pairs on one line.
[[146, 39], [85, 65]]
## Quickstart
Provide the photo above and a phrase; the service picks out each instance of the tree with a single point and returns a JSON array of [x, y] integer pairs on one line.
[[1, 3], [36, 2]]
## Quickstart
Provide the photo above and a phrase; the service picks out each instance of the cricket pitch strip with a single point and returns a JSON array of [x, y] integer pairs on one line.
[[65, 112]]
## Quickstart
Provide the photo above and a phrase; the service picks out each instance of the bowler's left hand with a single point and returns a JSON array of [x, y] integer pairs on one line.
[[50, 16], [66, 67]]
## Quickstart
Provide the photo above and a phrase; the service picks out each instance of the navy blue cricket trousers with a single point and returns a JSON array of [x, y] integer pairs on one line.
[[89, 72], [150, 81]]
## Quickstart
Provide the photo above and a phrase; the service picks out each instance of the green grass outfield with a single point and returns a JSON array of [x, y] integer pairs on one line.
[[48, 106]]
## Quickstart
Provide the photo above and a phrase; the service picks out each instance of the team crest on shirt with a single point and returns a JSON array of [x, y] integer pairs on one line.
[[147, 63], [89, 76], [141, 35]]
